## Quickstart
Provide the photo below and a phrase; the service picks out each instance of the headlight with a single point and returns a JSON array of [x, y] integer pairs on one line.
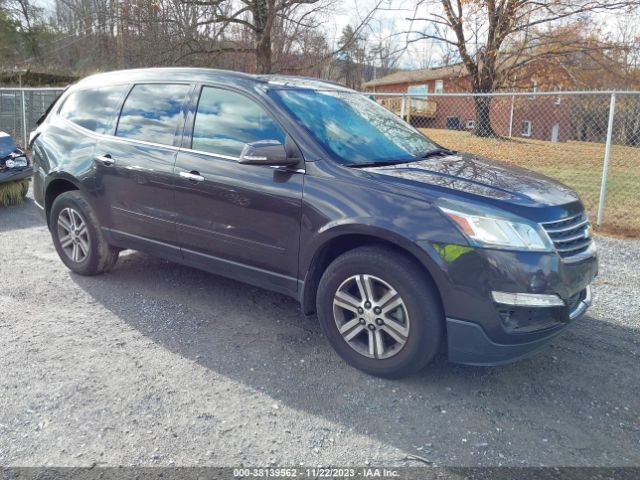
[[491, 230], [16, 162]]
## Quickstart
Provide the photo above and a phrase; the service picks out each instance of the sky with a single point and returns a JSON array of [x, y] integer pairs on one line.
[[391, 22]]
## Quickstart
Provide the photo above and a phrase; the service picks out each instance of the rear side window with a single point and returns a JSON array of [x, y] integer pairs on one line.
[[152, 113], [225, 121], [94, 109]]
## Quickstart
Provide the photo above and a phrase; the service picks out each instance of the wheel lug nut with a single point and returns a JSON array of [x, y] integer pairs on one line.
[[372, 327], [362, 321], [377, 310], [360, 310], [379, 321], [367, 304]]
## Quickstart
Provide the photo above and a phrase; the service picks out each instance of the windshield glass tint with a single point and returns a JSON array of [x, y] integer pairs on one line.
[[355, 128]]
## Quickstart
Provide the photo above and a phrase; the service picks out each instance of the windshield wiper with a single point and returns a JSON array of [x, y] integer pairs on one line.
[[419, 156], [381, 163], [435, 152]]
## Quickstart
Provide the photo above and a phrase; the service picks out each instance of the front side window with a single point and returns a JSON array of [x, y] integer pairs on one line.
[[152, 112], [354, 128], [226, 121], [94, 109]]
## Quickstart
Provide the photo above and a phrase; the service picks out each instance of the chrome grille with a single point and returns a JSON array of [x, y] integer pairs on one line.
[[569, 235]]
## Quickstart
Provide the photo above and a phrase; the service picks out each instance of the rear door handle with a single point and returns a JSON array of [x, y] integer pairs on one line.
[[192, 176], [106, 160]]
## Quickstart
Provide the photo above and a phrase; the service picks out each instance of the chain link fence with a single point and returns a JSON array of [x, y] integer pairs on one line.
[[20, 108], [587, 140]]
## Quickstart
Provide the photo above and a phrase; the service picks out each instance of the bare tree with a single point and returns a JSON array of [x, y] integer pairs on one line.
[[260, 18], [248, 35], [495, 37]]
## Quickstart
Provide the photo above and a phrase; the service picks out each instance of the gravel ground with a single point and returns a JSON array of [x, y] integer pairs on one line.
[[159, 364]]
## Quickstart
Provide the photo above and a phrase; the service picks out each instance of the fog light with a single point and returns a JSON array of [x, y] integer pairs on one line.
[[527, 299]]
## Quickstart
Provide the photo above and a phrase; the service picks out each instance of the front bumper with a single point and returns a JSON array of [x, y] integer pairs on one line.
[[484, 331], [469, 344]]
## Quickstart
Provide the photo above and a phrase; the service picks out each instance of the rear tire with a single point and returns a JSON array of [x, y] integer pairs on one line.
[[76, 234], [380, 311]]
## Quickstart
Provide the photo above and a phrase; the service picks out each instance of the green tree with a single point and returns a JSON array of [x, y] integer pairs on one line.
[[9, 40], [353, 55]]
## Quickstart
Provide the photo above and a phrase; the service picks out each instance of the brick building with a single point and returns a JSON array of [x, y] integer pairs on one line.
[[542, 117]]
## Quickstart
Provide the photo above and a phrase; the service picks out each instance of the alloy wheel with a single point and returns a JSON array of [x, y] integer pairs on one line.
[[371, 316], [73, 235]]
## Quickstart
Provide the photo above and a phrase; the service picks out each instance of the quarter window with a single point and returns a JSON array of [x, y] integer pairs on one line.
[[94, 109], [226, 121], [152, 113]]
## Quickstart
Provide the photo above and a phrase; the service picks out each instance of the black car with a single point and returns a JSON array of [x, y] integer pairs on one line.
[[315, 191], [15, 171]]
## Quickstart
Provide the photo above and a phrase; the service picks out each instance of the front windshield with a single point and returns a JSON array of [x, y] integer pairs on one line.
[[355, 128]]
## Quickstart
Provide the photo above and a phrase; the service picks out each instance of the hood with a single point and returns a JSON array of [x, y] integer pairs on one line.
[[7, 145], [482, 177]]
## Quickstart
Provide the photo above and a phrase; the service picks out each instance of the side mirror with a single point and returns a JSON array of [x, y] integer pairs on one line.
[[265, 152]]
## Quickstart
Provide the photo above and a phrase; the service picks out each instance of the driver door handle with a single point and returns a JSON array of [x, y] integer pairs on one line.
[[106, 160]]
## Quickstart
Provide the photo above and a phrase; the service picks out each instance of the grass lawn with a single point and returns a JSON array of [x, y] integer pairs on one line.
[[577, 164]]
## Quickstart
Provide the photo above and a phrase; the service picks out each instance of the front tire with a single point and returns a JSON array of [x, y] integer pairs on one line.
[[380, 311], [76, 234]]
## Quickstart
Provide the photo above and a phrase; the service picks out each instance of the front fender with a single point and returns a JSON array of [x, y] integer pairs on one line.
[[423, 251], [381, 229], [407, 222]]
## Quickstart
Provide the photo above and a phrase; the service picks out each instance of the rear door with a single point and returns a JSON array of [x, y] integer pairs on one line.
[[243, 219], [135, 167]]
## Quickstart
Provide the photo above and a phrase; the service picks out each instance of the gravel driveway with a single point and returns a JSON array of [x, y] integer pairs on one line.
[[160, 364]]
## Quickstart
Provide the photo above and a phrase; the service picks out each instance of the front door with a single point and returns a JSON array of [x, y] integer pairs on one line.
[[135, 167], [243, 220]]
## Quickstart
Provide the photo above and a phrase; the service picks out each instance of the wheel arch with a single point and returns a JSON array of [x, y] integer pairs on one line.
[[341, 241], [56, 187]]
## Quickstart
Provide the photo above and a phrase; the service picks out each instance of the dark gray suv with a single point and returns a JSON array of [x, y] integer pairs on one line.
[[304, 187]]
